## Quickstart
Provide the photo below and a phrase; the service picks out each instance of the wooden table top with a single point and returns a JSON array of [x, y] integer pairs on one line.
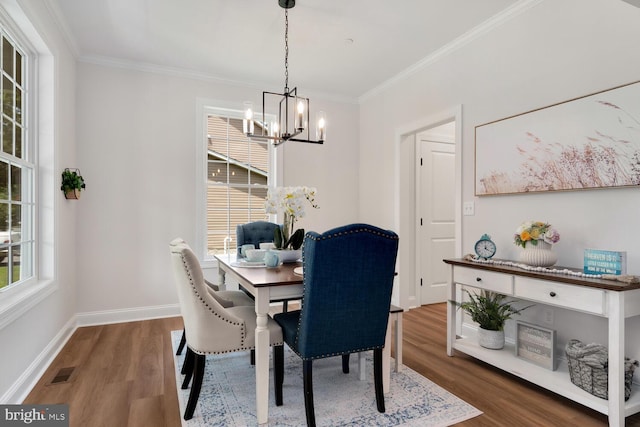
[[263, 276], [612, 285]]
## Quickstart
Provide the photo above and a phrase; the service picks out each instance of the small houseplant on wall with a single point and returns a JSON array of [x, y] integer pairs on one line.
[[72, 183], [490, 311]]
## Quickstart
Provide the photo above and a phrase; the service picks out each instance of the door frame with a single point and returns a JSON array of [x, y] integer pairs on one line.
[[408, 288]]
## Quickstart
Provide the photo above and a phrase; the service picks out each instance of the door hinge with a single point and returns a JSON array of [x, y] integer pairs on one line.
[[421, 281], [420, 221], [420, 161]]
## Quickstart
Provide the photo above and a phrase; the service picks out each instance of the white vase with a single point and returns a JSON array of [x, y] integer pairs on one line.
[[493, 340], [288, 255], [540, 255]]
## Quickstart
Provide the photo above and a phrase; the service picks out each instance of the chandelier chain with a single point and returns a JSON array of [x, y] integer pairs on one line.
[[286, 50]]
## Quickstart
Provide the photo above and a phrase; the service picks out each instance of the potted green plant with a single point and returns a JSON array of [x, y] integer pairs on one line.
[[490, 310], [72, 183]]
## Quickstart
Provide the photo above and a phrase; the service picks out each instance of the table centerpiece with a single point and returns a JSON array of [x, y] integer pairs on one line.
[[536, 238], [291, 201]]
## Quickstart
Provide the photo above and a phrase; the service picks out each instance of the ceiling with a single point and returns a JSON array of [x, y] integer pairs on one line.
[[340, 48]]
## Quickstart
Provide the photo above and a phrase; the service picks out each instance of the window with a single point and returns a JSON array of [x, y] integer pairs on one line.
[[17, 169], [238, 174]]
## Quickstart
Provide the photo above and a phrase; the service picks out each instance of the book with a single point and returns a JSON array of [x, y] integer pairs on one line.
[[597, 261]]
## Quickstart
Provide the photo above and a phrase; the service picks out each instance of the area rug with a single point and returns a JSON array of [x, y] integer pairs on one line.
[[228, 395]]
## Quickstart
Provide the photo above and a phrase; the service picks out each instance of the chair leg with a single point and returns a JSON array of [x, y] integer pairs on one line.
[[377, 378], [345, 363], [198, 368], [308, 392], [278, 372], [183, 341], [253, 357], [187, 368], [285, 306]]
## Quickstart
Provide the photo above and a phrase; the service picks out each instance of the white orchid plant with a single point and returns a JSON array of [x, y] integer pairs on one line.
[[291, 201]]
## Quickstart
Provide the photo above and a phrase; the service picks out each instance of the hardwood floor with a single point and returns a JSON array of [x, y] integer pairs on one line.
[[123, 375]]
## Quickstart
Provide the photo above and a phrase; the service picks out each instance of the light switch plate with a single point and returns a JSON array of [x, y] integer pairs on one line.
[[468, 208]]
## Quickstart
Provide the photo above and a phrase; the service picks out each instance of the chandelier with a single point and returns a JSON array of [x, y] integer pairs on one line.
[[293, 110]]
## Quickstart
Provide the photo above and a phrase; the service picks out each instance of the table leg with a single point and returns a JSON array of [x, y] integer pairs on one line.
[[362, 374], [616, 359], [221, 278], [398, 346], [386, 359], [262, 355]]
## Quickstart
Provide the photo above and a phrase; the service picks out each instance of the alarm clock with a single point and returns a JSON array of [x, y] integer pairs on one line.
[[485, 248]]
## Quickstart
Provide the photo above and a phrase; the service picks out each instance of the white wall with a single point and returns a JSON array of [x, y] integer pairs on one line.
[[552, 52], [136, 145], [30, 337]]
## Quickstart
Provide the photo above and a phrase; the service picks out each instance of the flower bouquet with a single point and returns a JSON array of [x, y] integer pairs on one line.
[[534, 231], [291, 202]]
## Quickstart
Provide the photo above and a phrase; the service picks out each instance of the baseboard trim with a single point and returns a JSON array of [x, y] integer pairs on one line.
[[127, 315], [25, 383]]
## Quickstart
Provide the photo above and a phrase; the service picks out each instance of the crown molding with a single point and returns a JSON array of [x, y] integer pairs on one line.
[[471, 35], [197, 75], [63, 25]]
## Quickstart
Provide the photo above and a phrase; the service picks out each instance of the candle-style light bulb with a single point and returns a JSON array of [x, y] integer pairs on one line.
[[275, 130], [247, 122], [321, 126], [299, 123]]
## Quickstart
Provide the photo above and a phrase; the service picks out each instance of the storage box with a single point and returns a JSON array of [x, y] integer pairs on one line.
[[588, 368]]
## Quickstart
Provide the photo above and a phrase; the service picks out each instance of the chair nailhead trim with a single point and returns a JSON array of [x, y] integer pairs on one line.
[[242, 325], [304, 280], [195, 291], [322, 356]]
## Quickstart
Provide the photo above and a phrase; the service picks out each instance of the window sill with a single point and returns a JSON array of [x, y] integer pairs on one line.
[[16, 302]]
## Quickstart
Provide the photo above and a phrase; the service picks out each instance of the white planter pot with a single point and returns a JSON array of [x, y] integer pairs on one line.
[[491, 339], [539, 255]]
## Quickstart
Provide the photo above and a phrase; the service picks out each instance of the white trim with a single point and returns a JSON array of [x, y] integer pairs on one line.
[[401, 132], [106, 317], [29, 378], [19, 390], [468, 37], [19, 300]]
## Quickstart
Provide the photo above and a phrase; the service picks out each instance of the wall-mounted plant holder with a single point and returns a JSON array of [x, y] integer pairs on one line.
[[72, 183]]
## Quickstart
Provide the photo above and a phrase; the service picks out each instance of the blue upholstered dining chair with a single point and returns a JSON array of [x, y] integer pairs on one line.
[[210, 327], [254, 233], [348, 280]]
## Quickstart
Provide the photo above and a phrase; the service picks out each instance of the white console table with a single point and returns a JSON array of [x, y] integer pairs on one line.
[[613, 300]]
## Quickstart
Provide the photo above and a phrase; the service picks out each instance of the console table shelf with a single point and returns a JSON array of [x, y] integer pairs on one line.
[[603, 298]]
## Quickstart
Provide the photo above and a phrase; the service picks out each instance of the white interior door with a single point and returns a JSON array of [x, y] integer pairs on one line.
[[436, 209]]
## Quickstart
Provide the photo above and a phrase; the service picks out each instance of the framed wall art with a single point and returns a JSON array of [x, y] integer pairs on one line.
[[536, 344], [588, 142]]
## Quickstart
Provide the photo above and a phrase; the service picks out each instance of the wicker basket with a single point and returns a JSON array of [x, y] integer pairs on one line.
[[588, 368]]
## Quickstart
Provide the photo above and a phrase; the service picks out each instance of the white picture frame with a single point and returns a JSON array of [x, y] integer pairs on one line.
[[536, 344]]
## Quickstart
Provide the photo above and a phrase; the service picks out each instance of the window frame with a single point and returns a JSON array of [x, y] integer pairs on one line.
[[205, 108], [28, 162], [42, 81]]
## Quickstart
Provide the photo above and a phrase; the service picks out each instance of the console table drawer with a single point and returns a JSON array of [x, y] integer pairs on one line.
[[498, 282], [568, 296]]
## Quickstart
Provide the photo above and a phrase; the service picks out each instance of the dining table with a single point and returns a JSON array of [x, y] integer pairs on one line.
[[270, 284]]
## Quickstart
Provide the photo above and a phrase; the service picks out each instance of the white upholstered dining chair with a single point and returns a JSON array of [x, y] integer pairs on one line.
[[211, 328], [225, 298]]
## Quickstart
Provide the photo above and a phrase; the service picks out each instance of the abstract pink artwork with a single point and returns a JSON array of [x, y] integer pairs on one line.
[[588, 142]]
